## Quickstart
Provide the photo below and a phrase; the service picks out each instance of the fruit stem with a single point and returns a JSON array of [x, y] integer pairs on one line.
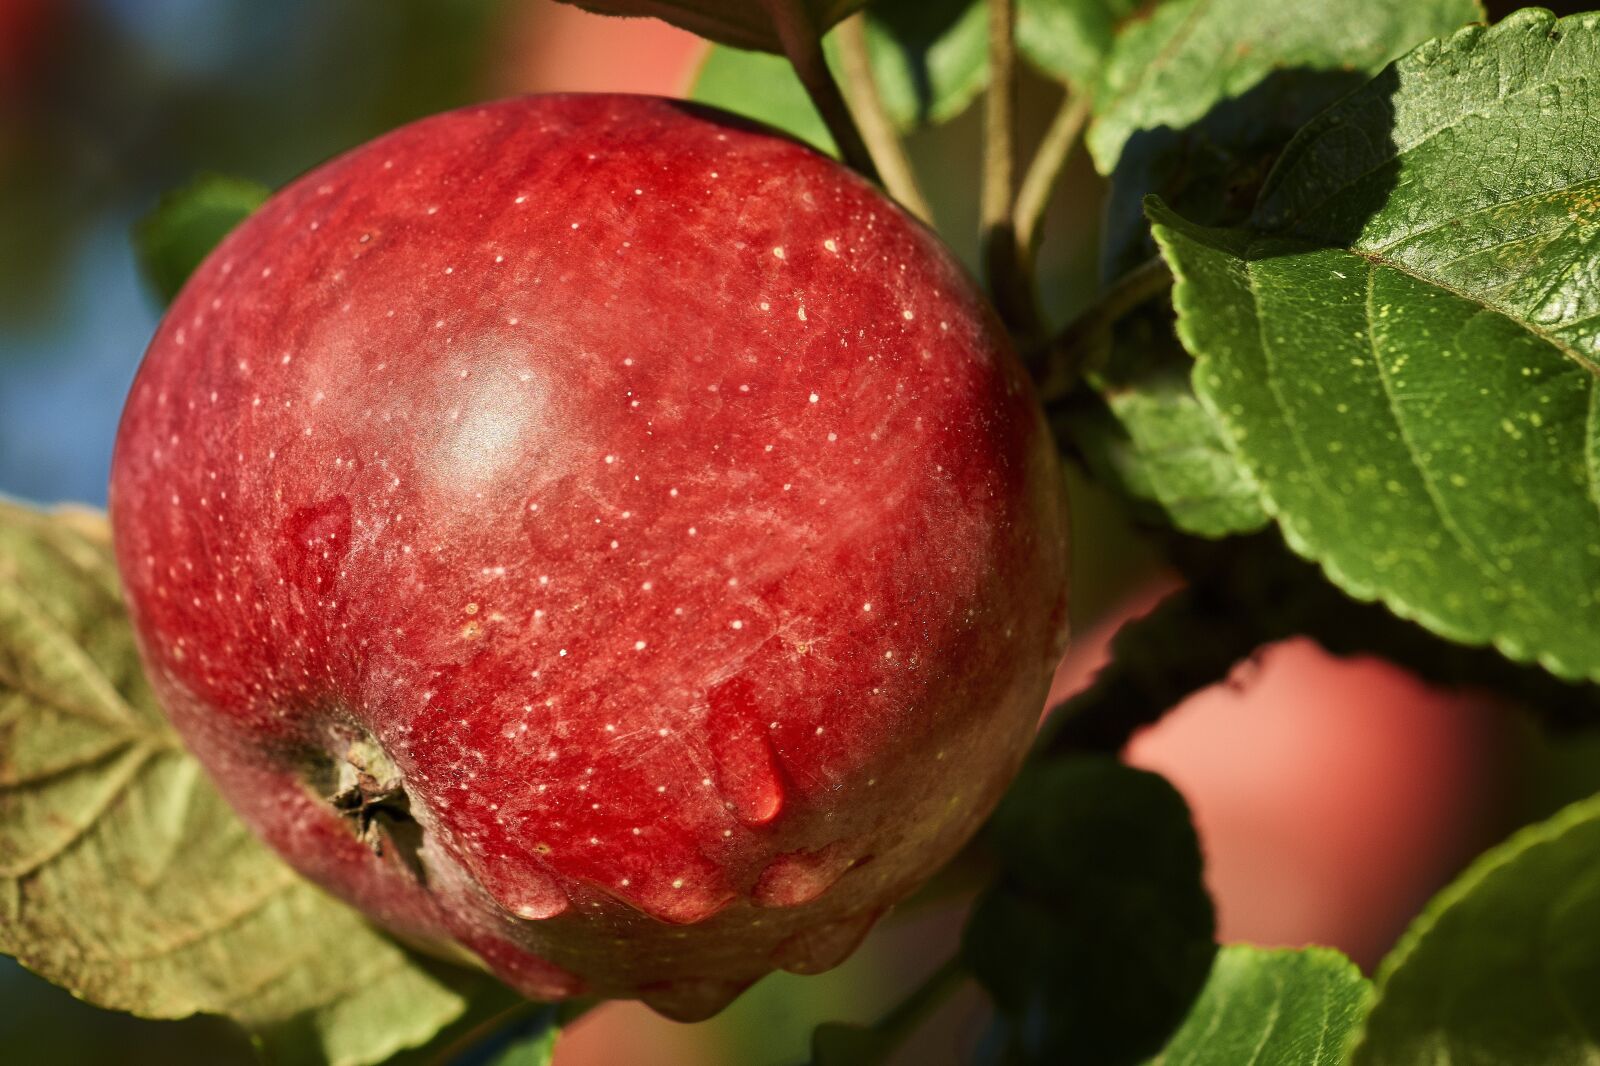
[[1001, 262], [877, 128], [802, 44], [1058, 364]]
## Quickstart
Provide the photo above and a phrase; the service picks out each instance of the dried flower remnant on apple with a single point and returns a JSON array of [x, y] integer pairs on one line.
[[560, 457]]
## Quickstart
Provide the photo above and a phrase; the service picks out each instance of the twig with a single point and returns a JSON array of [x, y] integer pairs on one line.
[[1059, 363], [803, 46], [1033, 196], [904, 1018], [877, 1042], [1013, 300], [872, 118]]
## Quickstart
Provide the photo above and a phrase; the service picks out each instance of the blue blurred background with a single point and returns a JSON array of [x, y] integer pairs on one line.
[[109, 102]]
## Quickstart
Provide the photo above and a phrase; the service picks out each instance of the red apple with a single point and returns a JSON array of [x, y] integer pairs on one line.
[[599, 534]]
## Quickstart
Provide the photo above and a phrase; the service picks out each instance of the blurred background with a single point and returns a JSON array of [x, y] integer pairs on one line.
[[1332, 796]]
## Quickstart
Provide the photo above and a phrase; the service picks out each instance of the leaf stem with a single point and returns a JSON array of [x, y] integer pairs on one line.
[[1038, 184], [1059, 364], [903, 1019], [1012, 298], [872, 118], [461, 1044], [802, 43], [876, 1042]]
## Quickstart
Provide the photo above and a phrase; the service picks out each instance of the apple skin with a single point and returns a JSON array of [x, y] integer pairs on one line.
[[598, 534]]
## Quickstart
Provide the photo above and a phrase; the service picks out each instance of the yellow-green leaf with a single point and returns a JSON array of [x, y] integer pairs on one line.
[[125, 878]]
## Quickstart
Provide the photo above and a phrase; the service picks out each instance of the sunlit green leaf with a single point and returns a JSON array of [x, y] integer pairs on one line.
[[1504, 965], [1070, 39], [763, 87], [1272, 1008], [1402, 350]]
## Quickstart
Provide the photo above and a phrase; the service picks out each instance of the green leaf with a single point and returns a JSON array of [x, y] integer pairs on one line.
[[845, 1044], [763, 87], [531, 1042], [125, 878], [1199, 100], [1158, 443], [1070, 39], [741, 23], [1272, 1008], [1406, 365], [1504, 965], [1172, 68], [1098, 935], [928, 58], [173, 239]]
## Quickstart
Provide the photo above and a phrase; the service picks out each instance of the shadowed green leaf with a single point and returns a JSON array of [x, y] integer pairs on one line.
[[1070, 39], [1173, 67], [1402, 351], [842, 1044], [1098, 935], [1157, 442], [173, 239], [126, 879], [1198, 100], [1504, 965], [1266, 1007]]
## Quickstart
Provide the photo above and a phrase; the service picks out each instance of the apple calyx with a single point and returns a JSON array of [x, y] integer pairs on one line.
[[369, 793]]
